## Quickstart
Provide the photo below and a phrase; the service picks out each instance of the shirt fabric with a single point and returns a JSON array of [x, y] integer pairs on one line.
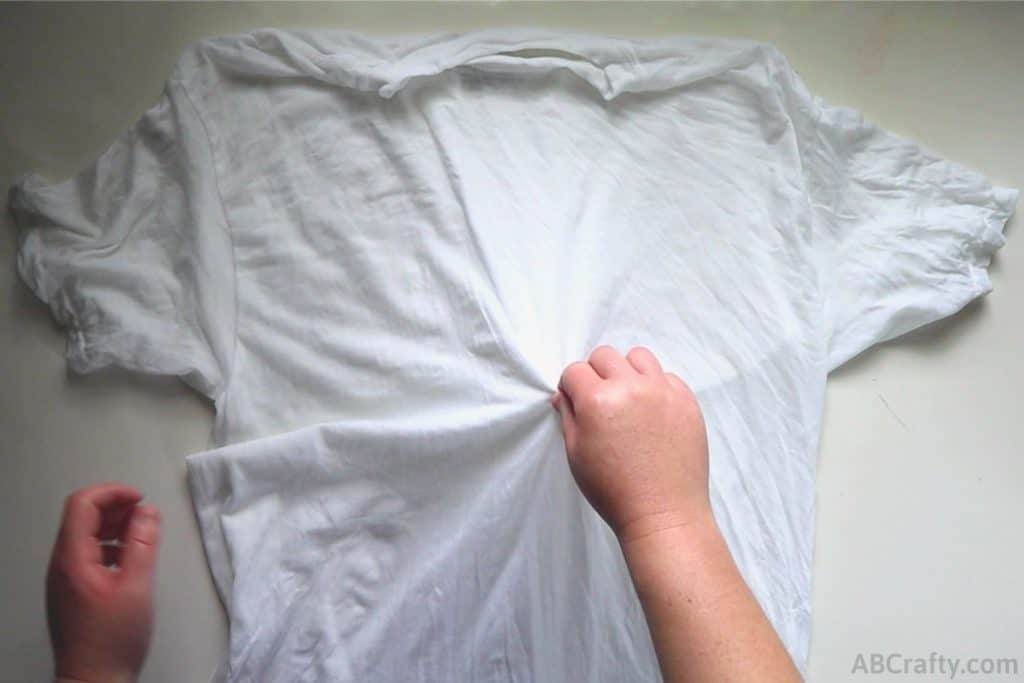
[[376, 255]]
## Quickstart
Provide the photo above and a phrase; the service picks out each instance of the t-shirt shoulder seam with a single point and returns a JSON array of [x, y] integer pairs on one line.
[[229, 230]]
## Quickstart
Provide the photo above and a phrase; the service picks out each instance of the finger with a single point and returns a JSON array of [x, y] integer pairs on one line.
[[141, 541], [83, 520], [569, 428], [676, 382], [114, 519], [609, 363], [578, 380], [644, 361]]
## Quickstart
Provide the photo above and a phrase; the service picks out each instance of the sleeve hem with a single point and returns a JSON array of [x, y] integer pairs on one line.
[[991, 238], [43, 284]]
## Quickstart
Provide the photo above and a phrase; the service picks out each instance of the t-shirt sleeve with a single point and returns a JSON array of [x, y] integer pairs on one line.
[[903, 237], [133, 254]]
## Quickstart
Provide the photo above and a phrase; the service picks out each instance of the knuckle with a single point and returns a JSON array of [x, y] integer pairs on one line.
[[592, 403], [639, 352], [573, 371], [634, 391], [605, 403], [678, 383], [642, 387], [575, 367], [689, 406]]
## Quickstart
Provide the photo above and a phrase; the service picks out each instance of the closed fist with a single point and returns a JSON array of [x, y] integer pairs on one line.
[[99, 587], [636, 442]]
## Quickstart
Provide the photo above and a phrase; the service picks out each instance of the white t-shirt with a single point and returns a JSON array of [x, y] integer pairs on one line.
[[376, 255]]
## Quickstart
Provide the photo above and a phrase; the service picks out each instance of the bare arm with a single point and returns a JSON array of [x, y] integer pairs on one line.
[[637, 447]]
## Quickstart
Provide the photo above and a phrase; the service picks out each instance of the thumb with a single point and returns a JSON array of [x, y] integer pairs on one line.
[[569, 429], [141, 540]]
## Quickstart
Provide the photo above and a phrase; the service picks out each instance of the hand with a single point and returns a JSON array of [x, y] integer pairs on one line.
[[636, 442], [99, 598], [638, 449]]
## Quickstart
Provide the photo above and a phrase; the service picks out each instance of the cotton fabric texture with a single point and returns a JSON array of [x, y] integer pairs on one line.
[[376, 255]]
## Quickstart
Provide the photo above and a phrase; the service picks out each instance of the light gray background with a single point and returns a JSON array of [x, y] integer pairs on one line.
[[919, 505]]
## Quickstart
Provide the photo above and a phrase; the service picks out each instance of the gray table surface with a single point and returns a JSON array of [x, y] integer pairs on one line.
[[922, 458]]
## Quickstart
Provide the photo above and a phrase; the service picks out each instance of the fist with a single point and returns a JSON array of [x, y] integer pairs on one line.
[[99, 587], [636, 442]]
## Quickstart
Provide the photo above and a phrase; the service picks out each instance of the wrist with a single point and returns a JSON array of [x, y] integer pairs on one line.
[[690, 561], [675, 524], [95, 678], [666, 544]]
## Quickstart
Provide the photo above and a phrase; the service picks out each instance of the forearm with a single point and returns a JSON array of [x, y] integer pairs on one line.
[[705, 623]]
